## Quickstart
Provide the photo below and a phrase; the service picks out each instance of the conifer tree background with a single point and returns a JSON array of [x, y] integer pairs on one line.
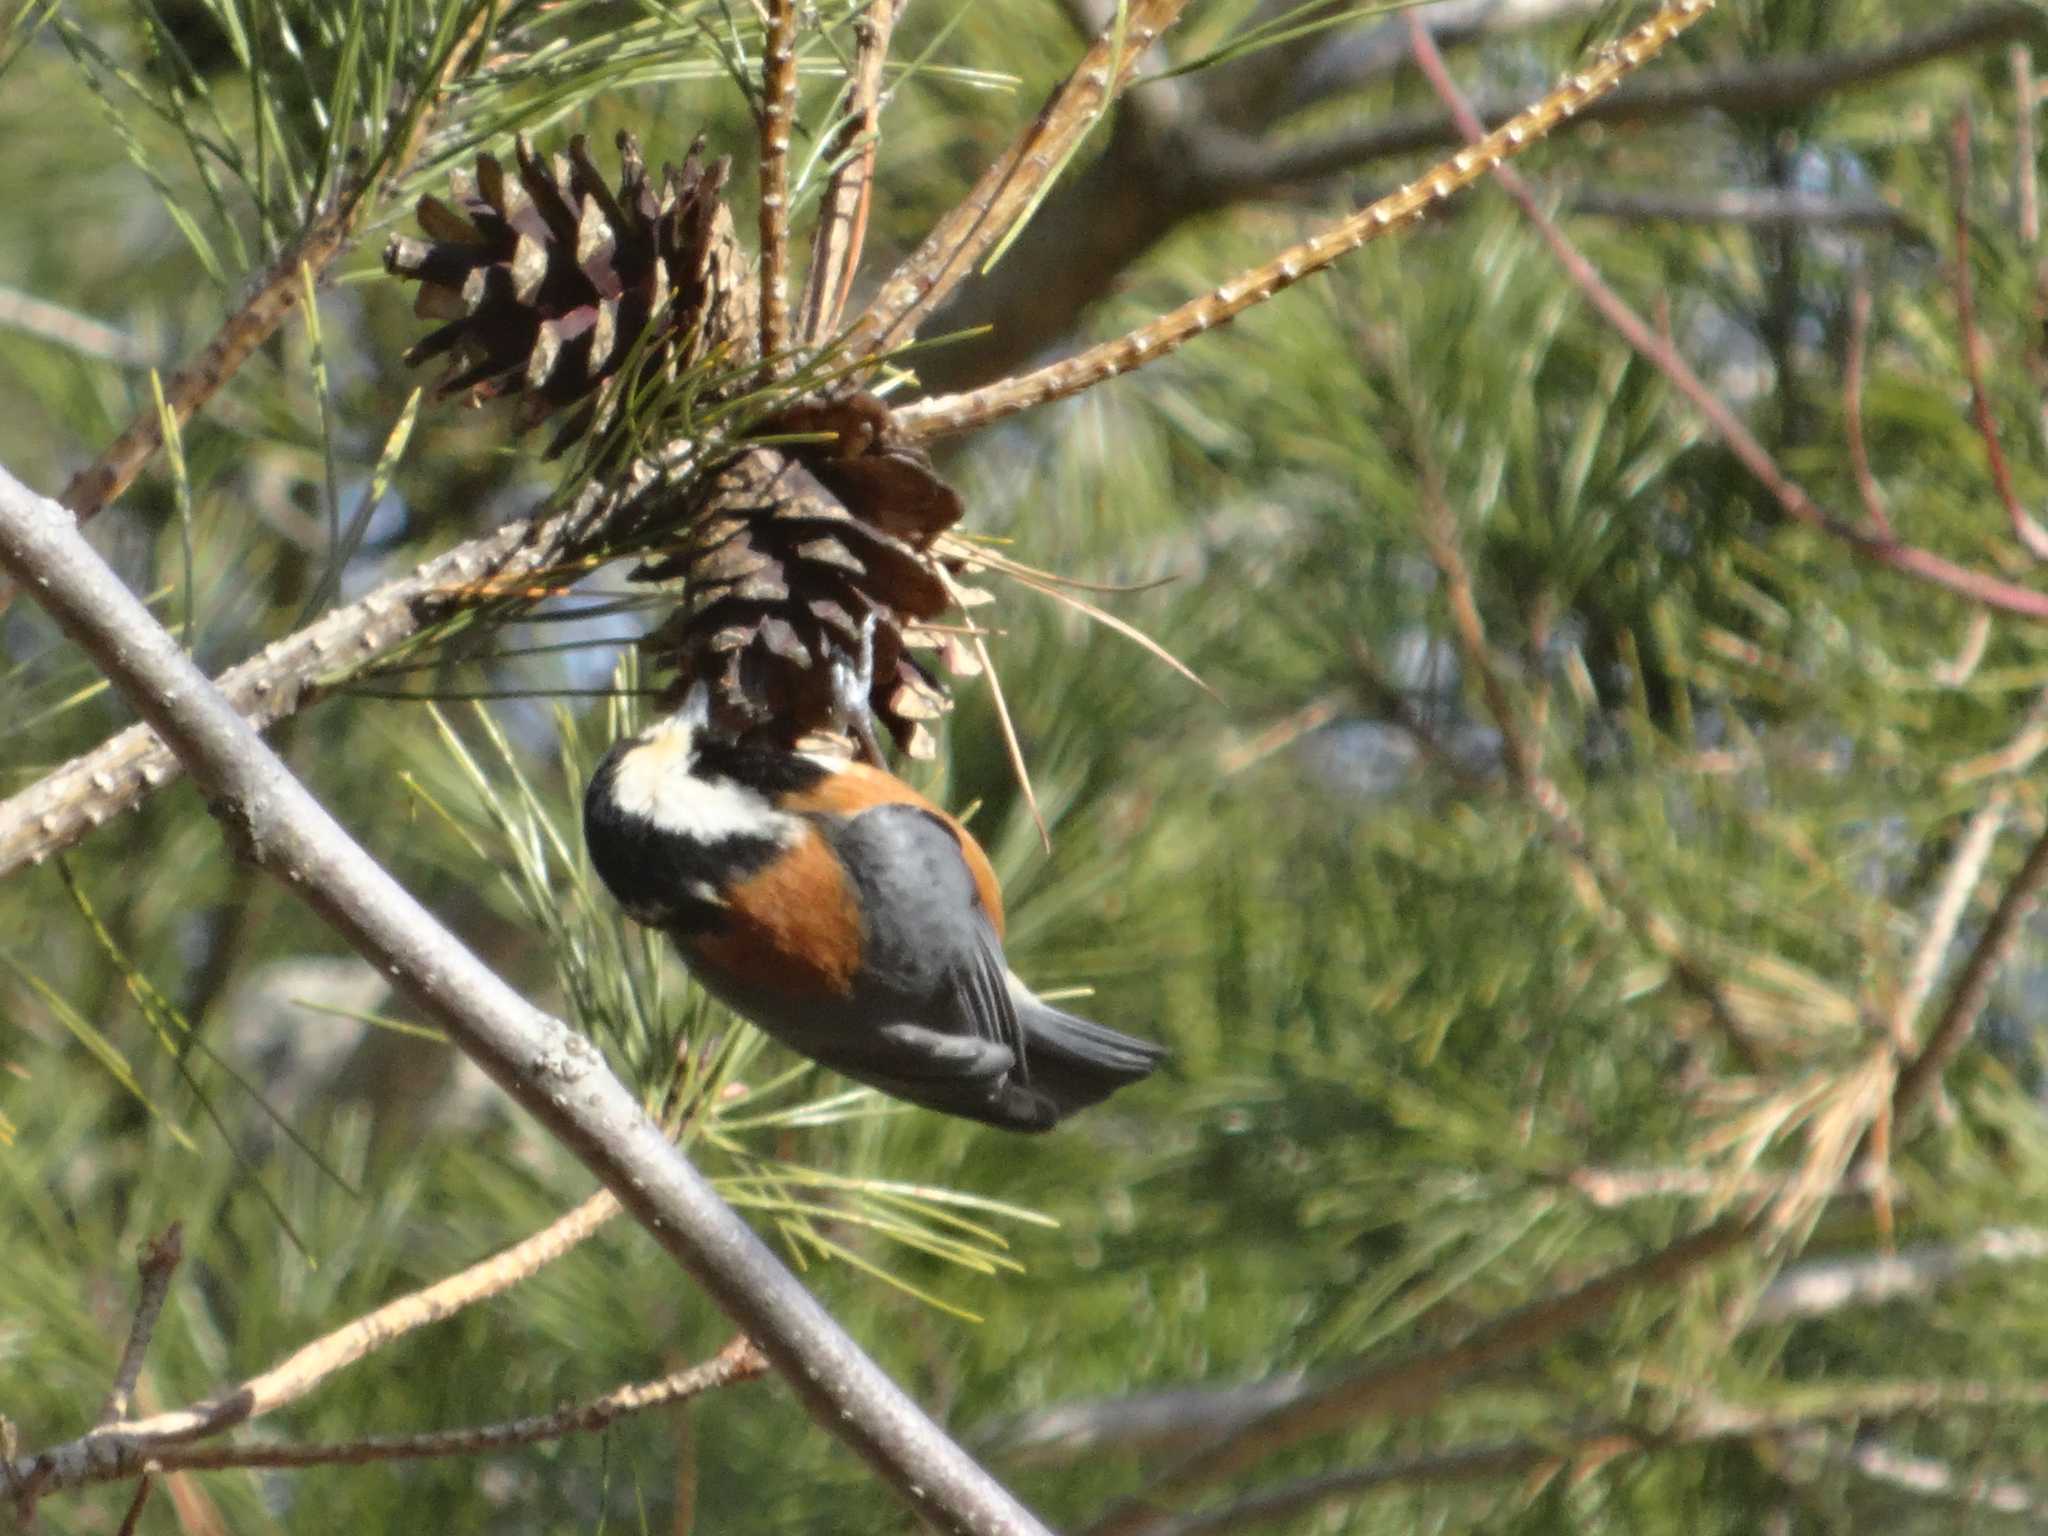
[[1593, 920]]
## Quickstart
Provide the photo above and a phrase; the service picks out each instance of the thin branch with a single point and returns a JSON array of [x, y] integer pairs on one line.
[[95, 487], [1973, 984], [1411, 1385], [1583, 1448], [154, 1267], [1013, 182], [1755, 207], [145, 1485], [118, 1449], [777, 112], [1910, 560], [738, 1361], [843, 212], [280, 680], [31, 316], [1951, 901], [1819, 1287], [2031, 536], [1750, 89], [945, 414], [1930, 1478], [1438, 528], [557, 1075]]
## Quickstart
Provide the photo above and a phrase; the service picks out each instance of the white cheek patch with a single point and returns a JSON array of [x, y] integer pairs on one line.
[[653, 781]]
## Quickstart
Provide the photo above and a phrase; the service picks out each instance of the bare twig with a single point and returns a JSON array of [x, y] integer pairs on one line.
[[145, 1485], [777, 112], [738, 1361], [117, 1449], [1973, 984], [1755, 88], [154, 1267], [1411, 1385], [1582, 1448], [1951, 901], [843, 212], [1822, 1286], [31, 316], [1656, 932], [1935, 1479], [2032, 537], [554, 1073], [1755, 207], [945, 414], [1013, 182]]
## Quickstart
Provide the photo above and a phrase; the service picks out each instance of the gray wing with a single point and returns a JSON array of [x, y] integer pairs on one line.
[[930, 954]]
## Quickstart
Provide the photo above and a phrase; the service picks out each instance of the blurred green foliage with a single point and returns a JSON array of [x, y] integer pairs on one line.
[[1421, 1074]]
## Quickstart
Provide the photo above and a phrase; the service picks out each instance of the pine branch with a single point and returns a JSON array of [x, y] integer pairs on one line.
[[283, 678], [119, 1448], [946, 414], [1013, 183], [556, 1074], [739, 1361], [843, 212], [777, 112]]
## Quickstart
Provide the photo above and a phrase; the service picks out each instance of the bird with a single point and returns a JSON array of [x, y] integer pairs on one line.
[[848, 916]]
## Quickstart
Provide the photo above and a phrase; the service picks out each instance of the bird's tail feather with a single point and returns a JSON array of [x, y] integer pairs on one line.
[[1076, 1062]]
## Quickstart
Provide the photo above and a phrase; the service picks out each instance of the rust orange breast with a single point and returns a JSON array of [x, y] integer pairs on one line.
[[857, 786], [792, 928]]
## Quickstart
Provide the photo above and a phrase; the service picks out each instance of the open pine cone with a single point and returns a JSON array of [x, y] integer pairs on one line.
[[549, 281]]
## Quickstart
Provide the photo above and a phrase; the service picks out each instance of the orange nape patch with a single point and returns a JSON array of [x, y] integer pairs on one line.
[[855, 787], [793, 928]]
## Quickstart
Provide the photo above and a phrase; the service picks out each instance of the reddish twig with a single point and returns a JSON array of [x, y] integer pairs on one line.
[[2026, 179], [1907, 559], [2032, 537]]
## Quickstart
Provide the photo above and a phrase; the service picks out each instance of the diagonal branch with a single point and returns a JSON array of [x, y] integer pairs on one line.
[[159, 1261], [1972, 988], [843, 214], [977, 408], [120, 1448], [1881, 548], [1410, 1384], [1013, 183], [557, 1075], [777, 113], [738, 1361], [280, 680]]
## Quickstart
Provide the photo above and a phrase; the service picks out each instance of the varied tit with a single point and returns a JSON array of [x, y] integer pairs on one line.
[[845, 914]]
